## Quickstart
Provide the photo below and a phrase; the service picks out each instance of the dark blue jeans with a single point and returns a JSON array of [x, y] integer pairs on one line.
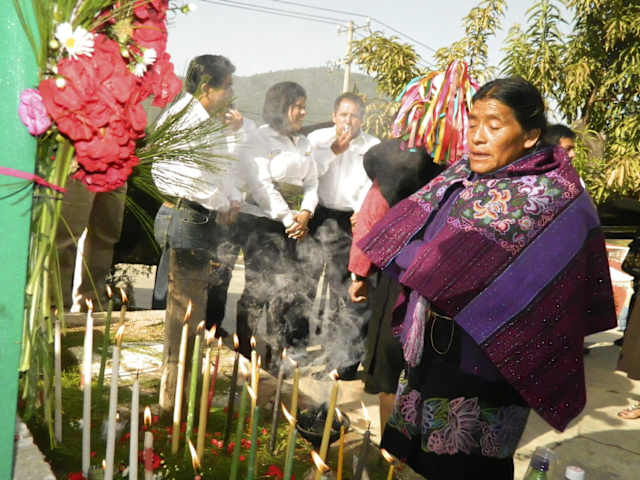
[[195, 233]]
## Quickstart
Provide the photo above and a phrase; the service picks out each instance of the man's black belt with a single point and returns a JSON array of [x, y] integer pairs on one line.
[[182, 203]]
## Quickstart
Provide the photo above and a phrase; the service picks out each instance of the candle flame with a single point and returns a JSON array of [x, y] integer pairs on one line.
[[210, 336], [252, 342], [195, 461], [147, 416], [117, 416], [89, 304], [293, 362], [339, 415], [219, 342], [334, 375], [200, 327], [119, 334], [104, 464], [109, 291], [123, 294], [284, 354], [187, 314], [252, 394], [236, 342], [387, 456], [320, 465], [287, 415], [214, 330], [365, 413], [259, 361]]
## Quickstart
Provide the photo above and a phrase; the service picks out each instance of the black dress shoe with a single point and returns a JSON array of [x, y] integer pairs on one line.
[[349, 373]]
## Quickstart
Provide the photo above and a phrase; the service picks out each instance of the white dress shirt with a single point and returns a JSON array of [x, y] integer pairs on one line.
[[267, 157], [185, 178], [342, 180]]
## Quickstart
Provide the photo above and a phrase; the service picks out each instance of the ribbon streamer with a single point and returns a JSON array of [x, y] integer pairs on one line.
[[10, 172]]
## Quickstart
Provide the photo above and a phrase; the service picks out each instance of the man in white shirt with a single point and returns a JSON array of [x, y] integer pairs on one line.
[[200, 248], [342, 186]]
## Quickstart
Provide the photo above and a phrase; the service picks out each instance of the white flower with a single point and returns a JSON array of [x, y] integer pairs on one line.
[[139, 69], [75, 42], [192, 7], [149, 56]]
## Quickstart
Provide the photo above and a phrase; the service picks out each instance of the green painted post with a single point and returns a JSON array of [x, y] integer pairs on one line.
[[17, 71]]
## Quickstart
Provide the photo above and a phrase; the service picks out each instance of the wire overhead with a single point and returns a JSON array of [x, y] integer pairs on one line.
[[277, 11]]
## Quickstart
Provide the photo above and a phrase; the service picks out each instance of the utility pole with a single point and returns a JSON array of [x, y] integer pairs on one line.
[[350, 28]]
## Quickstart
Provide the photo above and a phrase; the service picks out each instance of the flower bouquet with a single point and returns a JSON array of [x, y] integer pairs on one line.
[[98, 60]]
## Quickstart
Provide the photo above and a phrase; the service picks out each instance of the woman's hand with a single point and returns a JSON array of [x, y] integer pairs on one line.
[[299, 229], [358, 291]]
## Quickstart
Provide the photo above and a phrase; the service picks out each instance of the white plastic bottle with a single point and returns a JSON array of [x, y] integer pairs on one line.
[[574, 473]]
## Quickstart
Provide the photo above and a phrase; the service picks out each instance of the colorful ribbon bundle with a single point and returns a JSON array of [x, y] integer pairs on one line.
[[435, 112]]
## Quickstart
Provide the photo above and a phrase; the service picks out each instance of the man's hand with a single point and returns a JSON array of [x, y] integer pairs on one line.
[[230, 216], [234, 119], [299, 229], [341, 143], [358, 291]]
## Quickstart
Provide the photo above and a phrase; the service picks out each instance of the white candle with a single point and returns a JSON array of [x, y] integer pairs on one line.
[[113, 406], [148, 446], [58, 383], [182, 358], [133, 436], [86, 385]]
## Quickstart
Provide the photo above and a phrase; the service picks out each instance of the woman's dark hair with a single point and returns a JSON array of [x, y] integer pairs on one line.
[[277, 101], [211, 70], [521, 96]]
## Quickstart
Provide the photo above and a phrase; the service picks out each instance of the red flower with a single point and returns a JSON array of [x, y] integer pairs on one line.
[[76, 476], [275, 472], [242, 458], [154, 419], [161, 81]]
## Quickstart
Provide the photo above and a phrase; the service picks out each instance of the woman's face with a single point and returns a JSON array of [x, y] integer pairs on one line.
[[296, 114], [495, 136]]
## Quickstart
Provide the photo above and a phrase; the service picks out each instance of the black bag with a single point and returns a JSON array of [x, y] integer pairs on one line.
[[631, 263]]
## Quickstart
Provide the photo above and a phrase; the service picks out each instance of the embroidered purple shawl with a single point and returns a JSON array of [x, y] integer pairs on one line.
[[520, 264]]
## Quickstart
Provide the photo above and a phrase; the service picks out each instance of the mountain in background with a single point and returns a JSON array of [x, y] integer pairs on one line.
[[322, 87]]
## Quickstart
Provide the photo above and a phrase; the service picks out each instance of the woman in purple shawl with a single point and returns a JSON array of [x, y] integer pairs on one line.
[[504, 268]]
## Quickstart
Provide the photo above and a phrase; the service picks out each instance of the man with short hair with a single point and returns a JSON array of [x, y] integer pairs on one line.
[[343, 184], [200, 248], [562, 136]]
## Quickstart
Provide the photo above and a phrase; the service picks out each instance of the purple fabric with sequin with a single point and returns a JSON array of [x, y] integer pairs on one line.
[[510, 236]]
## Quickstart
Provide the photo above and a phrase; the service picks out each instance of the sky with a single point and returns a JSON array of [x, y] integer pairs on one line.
[[258, 42]]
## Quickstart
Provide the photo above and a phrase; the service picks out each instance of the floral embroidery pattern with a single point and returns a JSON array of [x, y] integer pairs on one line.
[[508, 211], [459, 425]]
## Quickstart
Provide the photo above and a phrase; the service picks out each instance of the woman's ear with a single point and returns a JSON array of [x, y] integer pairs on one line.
[[531, 138]]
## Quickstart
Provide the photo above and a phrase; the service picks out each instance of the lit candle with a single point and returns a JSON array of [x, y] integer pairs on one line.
[[326, 434], [133, 435], [232, 391], [212, 385], [340, 446], [276, 403], [321, 466], [193, 384], [147, 453], [206, 377], [113, 405], [291, 443], [235, 461], [105, 342], [123, 308], [254, 438], [387, 456], [86, 385], [365, 445], [195, 461], [254, 378], [182, 357], [57, 348]]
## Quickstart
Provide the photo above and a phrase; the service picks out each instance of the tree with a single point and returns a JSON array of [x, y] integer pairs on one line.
[[480, 23], [593, 77], [392, 64]]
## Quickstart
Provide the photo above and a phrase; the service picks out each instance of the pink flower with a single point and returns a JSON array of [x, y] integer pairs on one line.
[[32, 112]]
